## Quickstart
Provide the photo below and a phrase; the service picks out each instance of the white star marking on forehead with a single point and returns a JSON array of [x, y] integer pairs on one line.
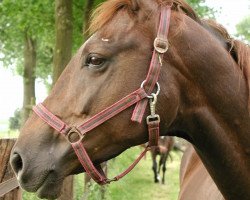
[[105, 40]]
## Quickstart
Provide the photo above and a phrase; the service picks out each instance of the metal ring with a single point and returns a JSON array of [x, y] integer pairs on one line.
[[161, 45], [157, 92], [72, 131]]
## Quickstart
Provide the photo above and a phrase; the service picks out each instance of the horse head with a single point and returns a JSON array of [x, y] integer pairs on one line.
[[112, 63]]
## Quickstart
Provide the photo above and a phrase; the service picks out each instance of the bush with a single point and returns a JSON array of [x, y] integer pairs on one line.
[[15, 121]]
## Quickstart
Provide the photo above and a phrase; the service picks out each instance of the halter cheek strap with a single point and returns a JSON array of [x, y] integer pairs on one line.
[[139, 97], [161, 46]]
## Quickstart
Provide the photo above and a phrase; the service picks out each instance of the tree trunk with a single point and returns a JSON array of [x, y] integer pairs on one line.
[[88, 8], [64, 29], [28, 76], [67, 189], [62, 55]]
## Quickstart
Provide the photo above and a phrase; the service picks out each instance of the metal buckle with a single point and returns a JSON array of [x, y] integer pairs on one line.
[[111, 180], [161, 45], [157, 92], [71, 135], [153, 117]]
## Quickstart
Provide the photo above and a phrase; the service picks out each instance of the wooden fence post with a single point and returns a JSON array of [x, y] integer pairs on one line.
[[6, 172], [67, 189]]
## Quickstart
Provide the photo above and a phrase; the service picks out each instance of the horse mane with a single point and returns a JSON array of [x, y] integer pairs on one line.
[[106, 11], [239, 51]]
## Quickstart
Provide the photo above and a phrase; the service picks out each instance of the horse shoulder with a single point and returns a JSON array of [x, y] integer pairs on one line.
[[195, 182]]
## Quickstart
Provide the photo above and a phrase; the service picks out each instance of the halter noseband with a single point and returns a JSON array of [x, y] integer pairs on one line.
[[139, 97]]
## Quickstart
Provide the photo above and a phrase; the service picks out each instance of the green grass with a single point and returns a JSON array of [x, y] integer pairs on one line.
[[139, 183]]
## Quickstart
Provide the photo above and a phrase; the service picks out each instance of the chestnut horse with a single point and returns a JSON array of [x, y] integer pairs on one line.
[[194, 175], [204, 97]]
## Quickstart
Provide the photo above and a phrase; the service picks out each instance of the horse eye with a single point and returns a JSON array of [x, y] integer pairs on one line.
[[94, 61]]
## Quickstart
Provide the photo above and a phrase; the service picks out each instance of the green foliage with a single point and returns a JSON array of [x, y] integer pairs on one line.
[[78, 10], [37, 19], [15, 121], [34, 18], [200, 7], [243, 28], [29, 196], [78, 22]]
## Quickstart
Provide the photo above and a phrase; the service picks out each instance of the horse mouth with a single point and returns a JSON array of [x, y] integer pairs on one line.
[[49, 188]]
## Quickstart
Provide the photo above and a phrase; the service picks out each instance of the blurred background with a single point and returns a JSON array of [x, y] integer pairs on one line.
[[38, 38]]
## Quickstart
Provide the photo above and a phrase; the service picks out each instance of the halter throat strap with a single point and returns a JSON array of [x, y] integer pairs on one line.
[[139, 97]]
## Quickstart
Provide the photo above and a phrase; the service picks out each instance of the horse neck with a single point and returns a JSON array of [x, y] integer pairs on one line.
[[213, 107]]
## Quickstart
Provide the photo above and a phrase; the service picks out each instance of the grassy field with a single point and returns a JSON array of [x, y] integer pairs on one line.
[[139, 184]]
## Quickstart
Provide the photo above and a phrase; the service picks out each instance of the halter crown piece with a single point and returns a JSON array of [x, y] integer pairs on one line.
[[139, 97]]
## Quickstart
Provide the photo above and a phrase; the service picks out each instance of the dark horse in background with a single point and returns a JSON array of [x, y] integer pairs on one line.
[[204, 99], [163, 149]]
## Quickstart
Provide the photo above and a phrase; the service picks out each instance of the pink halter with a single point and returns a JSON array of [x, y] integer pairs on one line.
[[139, 97]]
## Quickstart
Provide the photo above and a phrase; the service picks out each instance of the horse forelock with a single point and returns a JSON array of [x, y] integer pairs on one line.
[[106, 11]]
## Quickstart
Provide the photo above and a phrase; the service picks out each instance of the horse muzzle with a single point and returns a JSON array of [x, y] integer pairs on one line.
[[37, 173]]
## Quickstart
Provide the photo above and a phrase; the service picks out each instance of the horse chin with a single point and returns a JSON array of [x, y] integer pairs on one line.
[[50, 189], [46, 186]]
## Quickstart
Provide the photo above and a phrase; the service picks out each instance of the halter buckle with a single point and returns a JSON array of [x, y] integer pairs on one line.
[[161, 45], [111, 180], [74, 135], [153, 117]]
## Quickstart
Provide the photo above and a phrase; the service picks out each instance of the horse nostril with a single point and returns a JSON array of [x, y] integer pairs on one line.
[[16, 162]]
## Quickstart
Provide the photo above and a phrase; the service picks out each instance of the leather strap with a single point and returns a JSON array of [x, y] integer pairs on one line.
[[51, 119], [153, 132], [94, 121], [113, 110], [96, 174], [155, 65], [8, 186], [139, 96]]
